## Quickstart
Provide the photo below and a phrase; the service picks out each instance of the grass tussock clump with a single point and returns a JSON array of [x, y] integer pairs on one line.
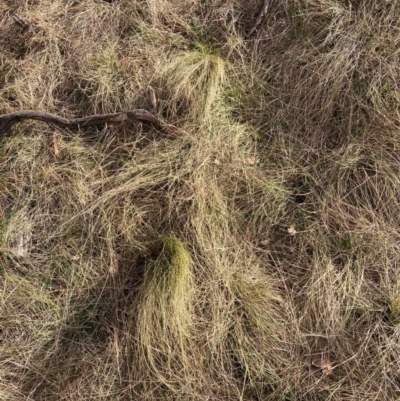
[[196, 78], [167, 290], [164, 315], [255, 257]]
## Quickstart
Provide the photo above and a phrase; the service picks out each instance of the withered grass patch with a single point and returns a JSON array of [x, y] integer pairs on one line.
[[234, 263]]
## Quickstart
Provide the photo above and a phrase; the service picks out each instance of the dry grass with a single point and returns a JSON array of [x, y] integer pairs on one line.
[[215, 266]]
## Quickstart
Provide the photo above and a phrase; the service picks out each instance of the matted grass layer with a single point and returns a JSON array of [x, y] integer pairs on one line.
[[216, 266]]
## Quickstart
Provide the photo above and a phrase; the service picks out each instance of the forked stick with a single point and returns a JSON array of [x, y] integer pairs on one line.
[[8, 120]]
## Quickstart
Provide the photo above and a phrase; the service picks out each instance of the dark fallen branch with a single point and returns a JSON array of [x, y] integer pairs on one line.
[[8, 120], [260, 17]]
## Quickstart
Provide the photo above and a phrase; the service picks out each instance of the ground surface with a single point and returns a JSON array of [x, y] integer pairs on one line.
[[256, 257]]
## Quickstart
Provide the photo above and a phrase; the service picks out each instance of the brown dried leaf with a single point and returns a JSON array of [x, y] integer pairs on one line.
[[323, 363], [252, 160]]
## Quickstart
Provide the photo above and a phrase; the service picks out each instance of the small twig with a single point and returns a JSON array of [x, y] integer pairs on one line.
[[18, 20], [153, 100], [260, 17]]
